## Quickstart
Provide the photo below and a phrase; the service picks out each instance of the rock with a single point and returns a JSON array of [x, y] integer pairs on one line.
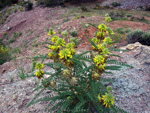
[[6, 27], [133, 83], [131, 46]]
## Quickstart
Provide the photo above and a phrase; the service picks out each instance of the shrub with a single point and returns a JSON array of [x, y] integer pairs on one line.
[[4, 55], [66, 20], [78, 86], [84, 8], [134, 36], [116, 4], [119, 15], [106, 6], [28, 5], [73, 33], [128, 30], [21, 9], [147, 8], [50, 2], [120, 30], [4, 3], [139, 36], [145, 38]]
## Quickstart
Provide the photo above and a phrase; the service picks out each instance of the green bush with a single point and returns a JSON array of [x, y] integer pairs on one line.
[[4, 3], [145, 39], [50, 2], [76, 85], [73, 33], [134, 36], [28, 5], [139, 36], [4, 55], [120, 30], [66, 20], [128, 30], [116, 4]]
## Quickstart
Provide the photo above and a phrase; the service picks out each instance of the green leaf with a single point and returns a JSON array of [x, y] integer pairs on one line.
[[113, 42], [81, 54], [78, 106], [65, 105], [93, 25], [119, 63], [47, 30], [91, 42], [106, 80], [55, 64], [47, 43], [85, 69], [37, 95], [108, 72], [115, 55], [50, 104], [112, 67], [115, 49]]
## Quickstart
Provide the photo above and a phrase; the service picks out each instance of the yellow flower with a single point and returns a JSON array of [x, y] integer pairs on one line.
[[72, 51], [65, 53], [60, 42], [51, 32], [101, 67], [100, 47], [50, 54], [96, 76], [106, 52], [100, 35], [94, 48], [99, 59], [39, 66], [3, 49], [102, 27], [99, 98], [70, 45], [53, 47], [69, 63], [54, 38], [39, 73], [107, 40], [107, 99], [95, 40], [108, 19]]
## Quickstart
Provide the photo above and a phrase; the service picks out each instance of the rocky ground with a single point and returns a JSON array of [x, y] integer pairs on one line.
[[131, 85], [130, 4]]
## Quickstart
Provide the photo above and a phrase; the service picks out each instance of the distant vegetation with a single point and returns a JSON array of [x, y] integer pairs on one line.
[[139, 36], [60, 2], [4, 3]]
